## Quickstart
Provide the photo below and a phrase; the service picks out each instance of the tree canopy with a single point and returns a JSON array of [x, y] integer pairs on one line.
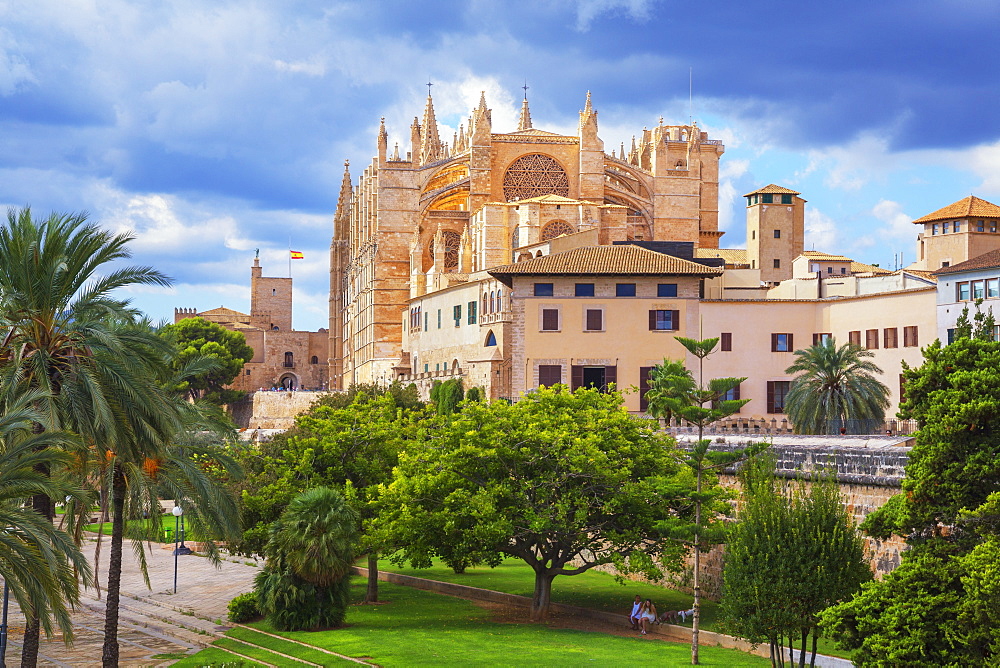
[[564, 481], [939, 607], [198, 338]]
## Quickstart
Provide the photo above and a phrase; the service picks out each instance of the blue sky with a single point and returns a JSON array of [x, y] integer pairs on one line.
[[211, 129]]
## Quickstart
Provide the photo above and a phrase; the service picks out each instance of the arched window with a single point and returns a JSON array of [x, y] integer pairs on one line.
[[499, 301], [484, 304], [534, 175], [491, 339], [289, 360], [492, 297], [556, 228], [314, 360], [454, 366]]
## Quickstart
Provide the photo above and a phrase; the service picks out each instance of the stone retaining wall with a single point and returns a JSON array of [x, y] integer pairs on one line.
[[278, 410]]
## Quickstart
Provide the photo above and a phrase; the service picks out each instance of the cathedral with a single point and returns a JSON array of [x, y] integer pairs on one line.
[[436, 218]]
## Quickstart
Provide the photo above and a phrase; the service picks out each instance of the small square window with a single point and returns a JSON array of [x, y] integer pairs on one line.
[[992, 288], [726, 341], [958, 226], [767, 198], [829, 270], [781, 343], [777, 263], [933, 229], [777, 234], [550, 320], [625, 290], [664, 320], [666, 290], [543, 289], [945, 227], [786, 199], [584, 289], [595, 320], [963, 291]]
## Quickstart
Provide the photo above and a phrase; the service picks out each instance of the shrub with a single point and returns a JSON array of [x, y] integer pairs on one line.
[[244, 608]]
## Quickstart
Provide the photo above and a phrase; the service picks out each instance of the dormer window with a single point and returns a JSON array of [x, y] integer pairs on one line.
[[945, 227], [933, 229], [958, 226], [768, 198]]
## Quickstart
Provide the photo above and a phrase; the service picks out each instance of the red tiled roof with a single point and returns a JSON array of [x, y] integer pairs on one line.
[[970, 207], [771, 189], [984, 261], [624, 259]]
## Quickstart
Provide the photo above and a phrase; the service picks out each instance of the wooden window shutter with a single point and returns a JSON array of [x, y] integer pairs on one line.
[[595, 319], [610, 375], [791, 346], [549, 374], [550, 319], [727, 341], [770, 396], [736, 392], [644, 385], [675, 320], [576, 376], [815, 338], [774, 344], [652, 320]]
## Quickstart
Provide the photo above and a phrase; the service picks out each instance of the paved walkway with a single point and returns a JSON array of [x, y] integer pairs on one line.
[[154, 620]]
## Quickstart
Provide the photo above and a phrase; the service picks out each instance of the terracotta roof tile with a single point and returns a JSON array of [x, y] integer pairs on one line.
[[862, 268], [730, 255], [818, 255], [771, 189], [608, 260], [222, 311], [984, 261], [970, 207]]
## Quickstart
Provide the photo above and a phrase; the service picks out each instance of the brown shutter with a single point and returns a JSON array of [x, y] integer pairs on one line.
[[774, 343], [610, 376], [576, 376], [727, 341], [644, 385], [652, 320], [791, 346], [675, 320], [595, 319], [770, 396], [815, 338], [736, 392], [550, 319], [913, 336], [549, 374]]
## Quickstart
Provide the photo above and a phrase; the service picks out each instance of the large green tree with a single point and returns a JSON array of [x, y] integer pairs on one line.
[[198, 338], [793, 553], [564, 481], [676, 395], [348, 441], [836, 388], [937, 606]]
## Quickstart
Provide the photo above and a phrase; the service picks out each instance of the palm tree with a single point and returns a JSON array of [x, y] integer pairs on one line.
[[836, 388], [305, 582], [40, 565], [56, 311]]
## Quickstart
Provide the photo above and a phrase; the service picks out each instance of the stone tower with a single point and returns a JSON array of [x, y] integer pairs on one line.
[[775, 231], [270, 301]]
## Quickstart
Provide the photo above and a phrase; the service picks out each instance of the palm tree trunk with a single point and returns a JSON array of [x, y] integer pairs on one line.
[[110, 654], [32, 627]]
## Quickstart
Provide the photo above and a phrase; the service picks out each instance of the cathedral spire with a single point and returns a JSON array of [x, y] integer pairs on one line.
[[588, 109], [383, 140], [525, 120], [430, 141], [482, 122], [343, 214]]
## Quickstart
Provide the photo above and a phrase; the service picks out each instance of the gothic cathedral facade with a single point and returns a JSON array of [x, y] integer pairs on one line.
[[443, 213]]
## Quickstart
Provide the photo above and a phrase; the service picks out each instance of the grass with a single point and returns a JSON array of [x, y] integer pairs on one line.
[[139, 528], [214, 656], [593, 589], [413, 627]]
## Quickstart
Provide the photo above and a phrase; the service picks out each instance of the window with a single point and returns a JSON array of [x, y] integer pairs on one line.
[[645, 385], [996, 332], [289, 360], [777, 390], [491, 339], [314, 360], [439, 318], [871, 339], [595, 320], [889, 338], [666, 290], [664, 320], [854, 337], [543, 289], [958, 226], [910, 337], [427, 368], [584, 289], [843, 270], [781, 343], [426, 318], [767, 198], [945, 227], [730, 395], [549, 374], [933, 229], [821, 338], [472, 312], [963, 291], [980, 226], [550, 320], [786, 199], [493, 302], [777, 263], [951, 335], [829, 270], [777, 234], [593, 376], [978, 290], [499, 301], [625, 290], [457, 314], [726, 342], [992, 288]]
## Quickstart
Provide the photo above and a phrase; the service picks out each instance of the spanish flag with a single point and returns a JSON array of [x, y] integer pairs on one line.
[[296, 255]]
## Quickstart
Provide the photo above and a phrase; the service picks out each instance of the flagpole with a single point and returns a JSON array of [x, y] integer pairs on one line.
[[289, 257]]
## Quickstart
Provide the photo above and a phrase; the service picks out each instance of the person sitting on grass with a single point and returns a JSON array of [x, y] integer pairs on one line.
[[634, 617], [647, 615]]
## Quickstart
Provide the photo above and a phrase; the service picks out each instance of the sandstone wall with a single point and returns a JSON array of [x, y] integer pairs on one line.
[[277, 410]]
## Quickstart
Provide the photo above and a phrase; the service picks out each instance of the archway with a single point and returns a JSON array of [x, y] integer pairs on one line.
[[289, 381]]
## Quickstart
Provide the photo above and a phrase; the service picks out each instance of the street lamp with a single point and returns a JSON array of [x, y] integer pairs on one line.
[[178, 513]]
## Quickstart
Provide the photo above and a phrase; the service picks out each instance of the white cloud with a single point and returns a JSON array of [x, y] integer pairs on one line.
[[729, 172], [821, 231], [588, 10], [896, 224], [14, 69]]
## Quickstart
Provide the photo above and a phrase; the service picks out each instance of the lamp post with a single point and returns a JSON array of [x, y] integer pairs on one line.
[[178, 513]]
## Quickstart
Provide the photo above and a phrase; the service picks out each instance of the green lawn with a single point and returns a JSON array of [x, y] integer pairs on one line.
[[167, 524], [593, 589], [414, 627]]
